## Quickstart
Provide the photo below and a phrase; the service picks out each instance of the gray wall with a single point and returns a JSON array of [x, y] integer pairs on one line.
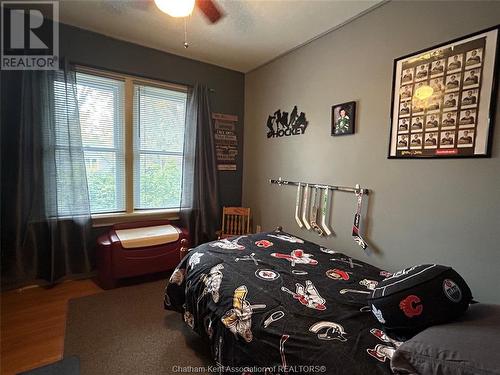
[[421, 211], [88, 48]]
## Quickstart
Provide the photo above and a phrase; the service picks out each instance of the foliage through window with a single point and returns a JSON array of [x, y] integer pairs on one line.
[[101, 109], [159, 119], [157, 125]]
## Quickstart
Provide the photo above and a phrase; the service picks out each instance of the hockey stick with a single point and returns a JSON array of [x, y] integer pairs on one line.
[[297, 206], [325, 212], [249, 257], [218, 354], [305, 206], [282, 351], [313, 217], [344, 291], [275, 316], [357, 217]]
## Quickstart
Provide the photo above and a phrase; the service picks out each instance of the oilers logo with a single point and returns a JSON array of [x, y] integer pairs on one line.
[[452, 291]]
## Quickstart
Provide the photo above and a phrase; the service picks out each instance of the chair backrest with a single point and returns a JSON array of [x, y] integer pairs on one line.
[[235, 221]]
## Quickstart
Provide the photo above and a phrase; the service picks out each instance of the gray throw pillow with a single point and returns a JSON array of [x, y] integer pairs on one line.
[[468, 346]]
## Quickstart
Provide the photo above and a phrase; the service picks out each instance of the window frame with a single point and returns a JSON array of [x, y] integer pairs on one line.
[[130, 213], [118, 137], [139, 152]]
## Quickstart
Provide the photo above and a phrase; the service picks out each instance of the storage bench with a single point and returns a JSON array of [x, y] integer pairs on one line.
[[138, 248]]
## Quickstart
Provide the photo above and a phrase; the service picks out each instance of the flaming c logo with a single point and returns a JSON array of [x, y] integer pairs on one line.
[[411, 306]]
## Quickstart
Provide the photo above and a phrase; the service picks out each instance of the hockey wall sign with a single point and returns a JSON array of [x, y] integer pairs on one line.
[[280, 124], [226, 141]]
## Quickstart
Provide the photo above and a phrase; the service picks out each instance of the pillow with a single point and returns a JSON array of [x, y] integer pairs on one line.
[[418, 297], [468, 346]]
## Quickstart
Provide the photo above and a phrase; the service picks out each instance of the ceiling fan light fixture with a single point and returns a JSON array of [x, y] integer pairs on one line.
[[176, 8]]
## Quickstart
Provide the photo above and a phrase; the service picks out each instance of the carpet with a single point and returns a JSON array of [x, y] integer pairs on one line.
[[127, 331], [67, 366]]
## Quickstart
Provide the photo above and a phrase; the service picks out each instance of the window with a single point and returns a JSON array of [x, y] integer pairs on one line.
[[133, 139], [101, 109], [159, 119]]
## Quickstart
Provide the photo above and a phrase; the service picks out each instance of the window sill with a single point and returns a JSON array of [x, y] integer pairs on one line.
[[104, 220]]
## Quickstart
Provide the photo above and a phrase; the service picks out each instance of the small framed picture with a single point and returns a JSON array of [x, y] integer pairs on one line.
[[343, 118]]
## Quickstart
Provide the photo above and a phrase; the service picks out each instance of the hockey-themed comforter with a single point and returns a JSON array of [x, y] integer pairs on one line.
[[272, 300]]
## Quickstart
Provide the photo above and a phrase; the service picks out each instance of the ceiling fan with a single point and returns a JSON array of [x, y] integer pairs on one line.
[[183, 8], [176, 8]]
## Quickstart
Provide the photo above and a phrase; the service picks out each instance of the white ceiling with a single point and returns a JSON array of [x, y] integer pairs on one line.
[[252, 33]]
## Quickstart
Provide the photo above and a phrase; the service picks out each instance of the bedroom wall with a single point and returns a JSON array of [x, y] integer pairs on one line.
[[96, 50], [421, 211]]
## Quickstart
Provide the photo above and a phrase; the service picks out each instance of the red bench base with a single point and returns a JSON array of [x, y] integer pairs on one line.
[[115, 262]]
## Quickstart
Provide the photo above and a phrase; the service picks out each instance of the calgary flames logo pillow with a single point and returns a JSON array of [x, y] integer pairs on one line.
[[410, 300]]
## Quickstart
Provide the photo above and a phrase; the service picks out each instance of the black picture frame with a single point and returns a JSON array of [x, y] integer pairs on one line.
[[339, 128], [451, 145]]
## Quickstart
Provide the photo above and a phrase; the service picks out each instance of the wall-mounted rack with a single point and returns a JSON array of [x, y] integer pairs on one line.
[[312, 207], [355, 189]]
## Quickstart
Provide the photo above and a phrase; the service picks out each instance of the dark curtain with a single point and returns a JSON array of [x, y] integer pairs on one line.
[[45, 211], [200, 207]]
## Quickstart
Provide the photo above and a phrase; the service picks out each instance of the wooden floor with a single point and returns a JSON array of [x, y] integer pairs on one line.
[[33, 322]]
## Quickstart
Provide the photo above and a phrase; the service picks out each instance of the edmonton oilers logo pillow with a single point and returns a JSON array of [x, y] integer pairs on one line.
[[452, 290], [418, 297]]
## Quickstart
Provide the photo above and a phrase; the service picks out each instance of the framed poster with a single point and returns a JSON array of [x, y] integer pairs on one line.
[[343, 118], [443, 99]]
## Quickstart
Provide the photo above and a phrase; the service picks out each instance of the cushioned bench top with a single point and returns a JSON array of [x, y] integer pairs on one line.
[[147, 236]]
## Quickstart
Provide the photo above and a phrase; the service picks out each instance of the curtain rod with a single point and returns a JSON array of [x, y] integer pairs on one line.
[[132, 75], [355, 189]]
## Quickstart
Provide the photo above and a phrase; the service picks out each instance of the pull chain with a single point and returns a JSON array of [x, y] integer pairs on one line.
[[186, 44]]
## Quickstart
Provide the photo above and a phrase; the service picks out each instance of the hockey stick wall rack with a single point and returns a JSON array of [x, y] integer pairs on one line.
[[312, 207], [355, 189]]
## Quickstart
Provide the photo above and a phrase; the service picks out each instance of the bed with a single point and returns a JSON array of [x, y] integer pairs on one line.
[[273, 303]]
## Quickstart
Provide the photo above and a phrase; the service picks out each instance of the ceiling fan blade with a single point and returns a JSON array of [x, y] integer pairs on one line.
[[142, 4], [210, 9]]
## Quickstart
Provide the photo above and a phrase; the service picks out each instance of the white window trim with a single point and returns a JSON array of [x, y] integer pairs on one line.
[[106, 219]]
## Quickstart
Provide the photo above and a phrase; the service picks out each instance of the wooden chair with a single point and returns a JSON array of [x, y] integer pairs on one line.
[[235, 222]]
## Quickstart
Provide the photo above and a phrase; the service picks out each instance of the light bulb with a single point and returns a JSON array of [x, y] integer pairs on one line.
[[176, 8]]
